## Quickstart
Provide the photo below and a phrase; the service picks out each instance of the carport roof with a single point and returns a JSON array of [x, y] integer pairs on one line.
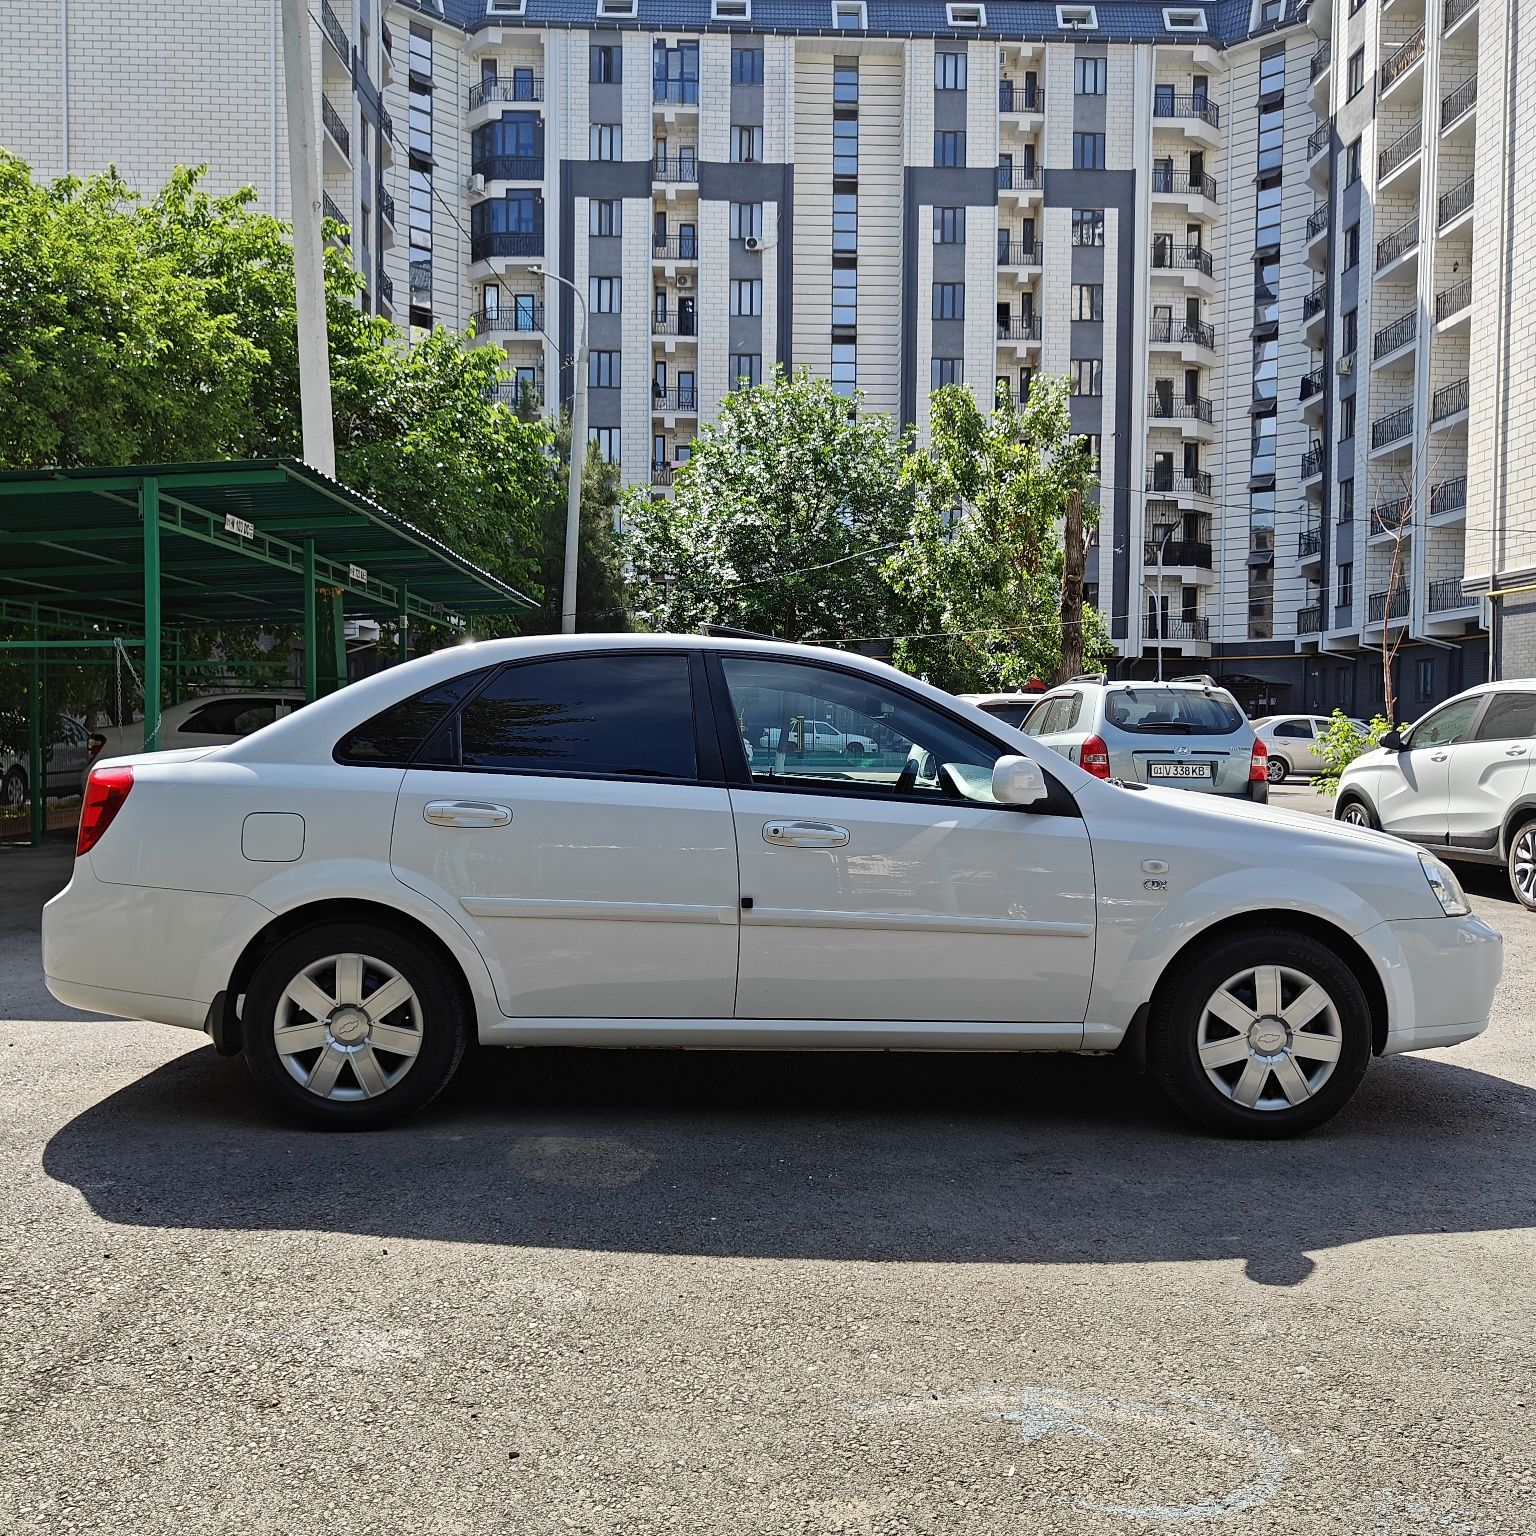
[[235, 544]]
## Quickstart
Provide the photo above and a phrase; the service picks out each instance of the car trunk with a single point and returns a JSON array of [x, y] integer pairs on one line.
[[1222, 770]]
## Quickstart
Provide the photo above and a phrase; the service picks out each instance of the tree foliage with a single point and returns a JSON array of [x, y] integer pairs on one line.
[[1340, 743], [983, 562]]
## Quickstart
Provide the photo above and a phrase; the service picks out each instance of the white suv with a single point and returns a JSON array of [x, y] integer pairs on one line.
[[1458, 781], [560, 841]]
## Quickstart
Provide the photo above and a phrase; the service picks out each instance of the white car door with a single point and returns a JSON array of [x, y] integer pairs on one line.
[[892, 887], [1413, 786], [559, 816], [1490, 770]]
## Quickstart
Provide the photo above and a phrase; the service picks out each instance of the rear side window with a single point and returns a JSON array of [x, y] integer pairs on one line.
[[1508, 715], [1009, 714], [1294, 729], [602, 714], [394, 736], [1178, 711], [234, 716]]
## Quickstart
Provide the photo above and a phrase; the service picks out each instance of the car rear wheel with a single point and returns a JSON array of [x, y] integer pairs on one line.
[[350, 1027], [1356, 813], [1268, 1035], [1278, 769], [1521, 865], [13, 793]]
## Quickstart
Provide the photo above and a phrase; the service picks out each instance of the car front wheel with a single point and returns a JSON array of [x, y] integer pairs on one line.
[[351, 1027], [1521, 865], [1356, 813], [1268, 1035]]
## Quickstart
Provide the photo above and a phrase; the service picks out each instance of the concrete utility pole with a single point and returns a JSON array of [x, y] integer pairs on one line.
[[308, 253], [578, 461], [1162, 600]]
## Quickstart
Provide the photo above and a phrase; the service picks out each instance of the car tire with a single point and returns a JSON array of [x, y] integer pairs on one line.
[[1265, 1036], [1279, 770], [1354, 812], [1520, 864], [318, 1049], [13, 792]]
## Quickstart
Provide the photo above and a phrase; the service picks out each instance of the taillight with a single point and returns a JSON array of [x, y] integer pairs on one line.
[[1258, 764], [105, 792], [1094, 757]]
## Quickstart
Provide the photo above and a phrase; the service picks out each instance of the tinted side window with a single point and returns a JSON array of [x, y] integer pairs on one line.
[[1446, 726], [1035, 720], [393, 736], [1010, 714], [1294, 729], [1508, 715], [622, 714], [218, 717]]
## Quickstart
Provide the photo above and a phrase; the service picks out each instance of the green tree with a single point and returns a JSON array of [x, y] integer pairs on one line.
[[983, 561], [778, 521], [1341, 743]]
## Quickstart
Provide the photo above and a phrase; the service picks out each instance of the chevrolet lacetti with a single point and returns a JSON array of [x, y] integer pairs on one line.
[[565, 842]]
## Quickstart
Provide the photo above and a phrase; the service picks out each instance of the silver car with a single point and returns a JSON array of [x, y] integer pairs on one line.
[[1291, 741], [1188, 734]]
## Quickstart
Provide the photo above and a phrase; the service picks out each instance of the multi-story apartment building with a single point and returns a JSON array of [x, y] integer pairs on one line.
[[1237, 226]]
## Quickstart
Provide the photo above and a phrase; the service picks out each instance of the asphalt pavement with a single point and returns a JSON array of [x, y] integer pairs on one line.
[[626, 1294]]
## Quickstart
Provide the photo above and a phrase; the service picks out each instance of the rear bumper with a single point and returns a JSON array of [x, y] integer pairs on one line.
[[1441, 974]]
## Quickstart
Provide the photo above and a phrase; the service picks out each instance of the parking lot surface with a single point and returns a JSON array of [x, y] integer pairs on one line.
[[699, 1293]]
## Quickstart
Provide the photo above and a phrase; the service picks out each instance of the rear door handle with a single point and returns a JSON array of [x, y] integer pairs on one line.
[[805, 834], [1514, 751], [465, 813]]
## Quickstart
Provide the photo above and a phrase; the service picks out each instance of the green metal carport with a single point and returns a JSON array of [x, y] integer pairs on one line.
[[102, 558]]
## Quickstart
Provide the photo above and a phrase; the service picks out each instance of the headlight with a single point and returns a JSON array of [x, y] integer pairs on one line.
[[1445, 885]]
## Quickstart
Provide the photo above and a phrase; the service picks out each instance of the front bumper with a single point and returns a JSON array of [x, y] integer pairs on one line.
[[1440, 974]]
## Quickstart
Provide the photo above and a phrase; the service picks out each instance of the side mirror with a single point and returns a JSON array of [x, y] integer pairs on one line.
[[1018, 781], [1393, 741]]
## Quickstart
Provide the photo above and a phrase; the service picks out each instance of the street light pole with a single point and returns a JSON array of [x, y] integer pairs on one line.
[[1161, 599], [577, 463]]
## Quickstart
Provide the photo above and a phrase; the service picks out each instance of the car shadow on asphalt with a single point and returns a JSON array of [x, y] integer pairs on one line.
[[930, 1158]]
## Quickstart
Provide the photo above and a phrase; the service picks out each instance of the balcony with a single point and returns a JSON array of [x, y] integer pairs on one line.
[[1452, 301], [1377, 608], [1018, 178], [1193, 258], [675, 93], [1155, 627], [1191, 108], [1162, 483], [1183, 183], [510, 392], [1449, 402], [1391, 516], [1014, 251], [1392, 429], [1317, 222], [1194, 554], [676, 169], [1401, 60], [510, 167], [1400, 333], [1458, 104], [1311, 463], [1455, 202], [335, 32], [674, 324], [1024, 328], [675, 248], [1397, 245], [1166, 408], [1444, 596], [330, 209], [662, 474], [1399, 152], [1312, 383], [1321, 59], [518, 88], [335, 127], [1309, 620], [421, 277], [525, 319], [1309, 543], [680, 400], [386, 138], [1186, 333], [1315, 302], [386, 206], [386, 288], [504, 243], [1319, 140], [1454, 11], [1019, 98], [1449, 498]]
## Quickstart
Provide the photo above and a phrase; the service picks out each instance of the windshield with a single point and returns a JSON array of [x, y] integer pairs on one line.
[[1178, 711]]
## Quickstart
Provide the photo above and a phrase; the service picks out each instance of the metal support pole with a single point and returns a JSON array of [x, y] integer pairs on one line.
[[37, 786], [337, 662], [311, 656], [149, 511], [405, 622], [1162, 610], [578, 461]]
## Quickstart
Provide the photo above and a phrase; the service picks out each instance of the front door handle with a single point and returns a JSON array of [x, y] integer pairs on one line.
[[1514, 751], [465, 813], [1438, 757], [805, 834]]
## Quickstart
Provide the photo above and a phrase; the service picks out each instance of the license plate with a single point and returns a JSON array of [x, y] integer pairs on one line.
[[1178, 770]]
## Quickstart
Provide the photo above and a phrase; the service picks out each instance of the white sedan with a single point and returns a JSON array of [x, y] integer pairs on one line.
[[818, 736], [560, 841]]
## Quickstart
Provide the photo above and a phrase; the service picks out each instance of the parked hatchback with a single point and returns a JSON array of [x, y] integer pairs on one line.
[[1459, 781], [1178, 735], [560, 841]]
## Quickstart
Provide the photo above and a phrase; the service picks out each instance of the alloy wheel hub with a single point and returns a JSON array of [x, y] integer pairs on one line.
[[349, 1025], [1269, 1037]]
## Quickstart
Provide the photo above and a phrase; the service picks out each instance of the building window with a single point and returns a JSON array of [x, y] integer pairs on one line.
[[1272, 72], [1346, 418], [848, 15], [746, 370], [1356, 73], [606, 140], [1347, 500], [1266, 230], [1271, 138], [746, 143], [1088, 151], [1354, 5], [845, 298], [603, 295], [1087, 226], [603, 370], [1077, 18], [1184, 20], [605, 217], [1087, 375], [1352, 247], [606, 441], [1425, 669], [948, 370], [949, 301], [845, 146], [949, 71], [844, 367], [746, 66], [607, 63], [746, 221], [746, 295], [1087, 301], [731, 10], [1352, 163], [949, 226], [1091, 75], [1346, 593], [845, 222], [1349, 331], [966, 15], [949, 147]]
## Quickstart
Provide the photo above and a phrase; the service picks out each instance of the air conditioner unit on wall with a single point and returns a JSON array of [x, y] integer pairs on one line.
[[1345, 365], [684, 282], [752, 243], [476, 183]]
